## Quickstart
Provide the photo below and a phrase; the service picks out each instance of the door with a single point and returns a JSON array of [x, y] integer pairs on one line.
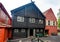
[[46, 32], [31, 32]]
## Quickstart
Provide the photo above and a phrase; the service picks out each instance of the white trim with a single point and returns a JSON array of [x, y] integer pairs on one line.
[[20, 19], [32, 20]]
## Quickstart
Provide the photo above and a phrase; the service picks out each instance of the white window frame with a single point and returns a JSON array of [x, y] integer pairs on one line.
[[16, 30], [32, 20], [49, 22], [20, 19], [53, 23], [40, 21]]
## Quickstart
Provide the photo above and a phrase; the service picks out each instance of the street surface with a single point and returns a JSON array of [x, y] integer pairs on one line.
[[44, 39]]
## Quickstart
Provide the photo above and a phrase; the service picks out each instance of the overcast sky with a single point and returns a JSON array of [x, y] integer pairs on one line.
[[43, 5]]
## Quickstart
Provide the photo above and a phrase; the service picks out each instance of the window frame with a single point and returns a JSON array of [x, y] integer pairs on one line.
[[31, 20], [20, 19], [48, 22], [41, 21], [53, 23], [23, 30], [16, 30]]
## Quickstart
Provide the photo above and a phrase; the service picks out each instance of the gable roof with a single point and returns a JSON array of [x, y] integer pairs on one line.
[[49, 12], [2, 7], [27, 5]]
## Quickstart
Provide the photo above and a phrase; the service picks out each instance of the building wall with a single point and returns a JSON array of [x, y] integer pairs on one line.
[[2, 34], [5, 23], [3, 17], [28, 12], [50, 17], [51, 29]]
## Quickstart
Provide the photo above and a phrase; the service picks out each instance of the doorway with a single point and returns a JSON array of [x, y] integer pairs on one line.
[[46, 32], [31, 32]]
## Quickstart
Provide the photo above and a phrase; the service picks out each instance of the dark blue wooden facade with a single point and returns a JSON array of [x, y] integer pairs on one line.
[[28, 11]]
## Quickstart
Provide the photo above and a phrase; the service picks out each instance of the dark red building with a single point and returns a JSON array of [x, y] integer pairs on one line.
[[51, 22], [5, 24]]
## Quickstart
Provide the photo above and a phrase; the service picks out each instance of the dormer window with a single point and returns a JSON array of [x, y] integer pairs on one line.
[[20, 19], [40, 21], [32, 20]]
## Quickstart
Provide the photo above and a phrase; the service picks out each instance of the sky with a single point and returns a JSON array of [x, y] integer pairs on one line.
[[43, 5]]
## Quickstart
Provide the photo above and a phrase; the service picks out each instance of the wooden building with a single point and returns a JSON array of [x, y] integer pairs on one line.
[[27, 21], [5, 24], [51, 22]]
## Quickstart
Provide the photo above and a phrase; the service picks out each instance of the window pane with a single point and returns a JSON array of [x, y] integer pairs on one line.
[[32, 20], [20, 19], [41, 30], [40, 21], [22, 30], [37, 30], [16, 30], [48, 22], [53, 23]]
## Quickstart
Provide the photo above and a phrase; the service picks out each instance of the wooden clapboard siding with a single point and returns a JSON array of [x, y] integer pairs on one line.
[[50, 16]]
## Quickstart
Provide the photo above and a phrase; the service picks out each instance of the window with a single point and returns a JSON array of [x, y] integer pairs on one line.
[[48, 22], [32, 20], [20, 19], [41, 30], [37, 30], [53, 23], [16, 30], [40, 21], [22, 30]]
